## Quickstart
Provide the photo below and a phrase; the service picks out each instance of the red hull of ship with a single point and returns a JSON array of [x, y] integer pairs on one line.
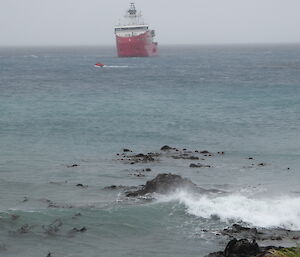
[[136, 46]]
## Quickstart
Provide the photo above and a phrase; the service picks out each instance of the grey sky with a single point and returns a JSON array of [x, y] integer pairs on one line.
[[90, 22]]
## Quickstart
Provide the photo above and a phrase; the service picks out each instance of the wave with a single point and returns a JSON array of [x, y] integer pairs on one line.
[[30, 56], [115, 66], [281, 212], [112, 66]]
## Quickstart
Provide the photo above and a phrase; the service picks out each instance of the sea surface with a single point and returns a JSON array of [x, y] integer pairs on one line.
[[57, 111]]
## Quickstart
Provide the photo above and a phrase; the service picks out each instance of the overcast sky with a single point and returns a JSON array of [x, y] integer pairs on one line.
[[90, 22]]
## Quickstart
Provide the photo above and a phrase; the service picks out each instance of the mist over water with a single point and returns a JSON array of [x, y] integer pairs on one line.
[[57, 110]]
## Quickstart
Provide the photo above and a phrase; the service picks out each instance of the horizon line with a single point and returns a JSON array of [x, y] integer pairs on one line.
[[162, 45]]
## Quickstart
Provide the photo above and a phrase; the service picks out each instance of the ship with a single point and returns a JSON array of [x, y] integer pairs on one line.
[[134, 38]]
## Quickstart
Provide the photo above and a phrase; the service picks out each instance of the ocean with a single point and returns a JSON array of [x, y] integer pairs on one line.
[[63, 122]]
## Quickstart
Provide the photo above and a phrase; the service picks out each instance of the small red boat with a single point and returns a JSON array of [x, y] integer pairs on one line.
[[99, 64]]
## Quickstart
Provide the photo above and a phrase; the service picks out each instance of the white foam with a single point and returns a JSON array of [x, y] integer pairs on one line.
[[278, 212], [30, 56], [111, 66]]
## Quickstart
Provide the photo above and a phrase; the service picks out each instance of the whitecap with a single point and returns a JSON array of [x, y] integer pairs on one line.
[[116, 66], [281, 212]]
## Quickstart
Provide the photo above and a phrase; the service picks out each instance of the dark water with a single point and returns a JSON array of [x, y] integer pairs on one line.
[[57, 109]]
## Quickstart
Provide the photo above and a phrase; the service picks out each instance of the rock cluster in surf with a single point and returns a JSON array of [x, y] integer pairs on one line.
[[260, 234], [246, 248], [162, 184]]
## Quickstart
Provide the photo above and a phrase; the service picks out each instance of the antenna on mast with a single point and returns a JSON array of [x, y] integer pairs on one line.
[[132, 10], [132, 15]]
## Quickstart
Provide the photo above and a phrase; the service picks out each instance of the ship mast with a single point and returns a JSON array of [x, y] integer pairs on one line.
[[132, 16]]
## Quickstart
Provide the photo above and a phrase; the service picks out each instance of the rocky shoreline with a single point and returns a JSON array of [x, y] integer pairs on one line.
[[246, 248], [243, 239]]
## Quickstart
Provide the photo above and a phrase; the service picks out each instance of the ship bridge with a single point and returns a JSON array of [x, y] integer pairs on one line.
[[133, 24], [131, 30]]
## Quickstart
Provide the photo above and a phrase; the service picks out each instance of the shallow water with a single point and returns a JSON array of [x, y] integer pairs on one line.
[[57, 109]]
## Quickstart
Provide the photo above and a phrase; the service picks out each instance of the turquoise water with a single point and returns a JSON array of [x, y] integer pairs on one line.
[[57, 109]]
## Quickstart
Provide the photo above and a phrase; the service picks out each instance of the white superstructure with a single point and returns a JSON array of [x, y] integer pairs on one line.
[[134, 24]]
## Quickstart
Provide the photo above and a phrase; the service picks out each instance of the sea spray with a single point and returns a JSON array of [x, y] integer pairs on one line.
[[281, 212]]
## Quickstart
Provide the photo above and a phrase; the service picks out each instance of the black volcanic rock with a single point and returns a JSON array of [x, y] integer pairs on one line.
[[162, 184], [138, 158], [119, 187], [246, 248], [199, 165], [205, 152], [238, 248], [261, 164], [242, 247], [114, 187], [261, 234], [185, 157], [166, 148], [216, 254], [73, 165], [239, 231], [83, 229]]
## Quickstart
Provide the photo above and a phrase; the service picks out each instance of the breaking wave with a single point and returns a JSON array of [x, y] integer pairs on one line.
[[281, 212]]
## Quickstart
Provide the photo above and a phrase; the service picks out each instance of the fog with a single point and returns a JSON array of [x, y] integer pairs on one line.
[[90, 22]]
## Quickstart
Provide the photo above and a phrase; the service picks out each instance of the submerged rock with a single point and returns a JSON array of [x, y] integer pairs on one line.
[[25, 199], [261, 164], [120, 187], [162, 184], [75, 216], [73, 165], [76, 230], [113, 187], [137, 174], [82, 186], [216, 254], [138, 158], [53, 228], [239, 231], [185, 157], [24, 229], [14, 217], [199, 165]]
